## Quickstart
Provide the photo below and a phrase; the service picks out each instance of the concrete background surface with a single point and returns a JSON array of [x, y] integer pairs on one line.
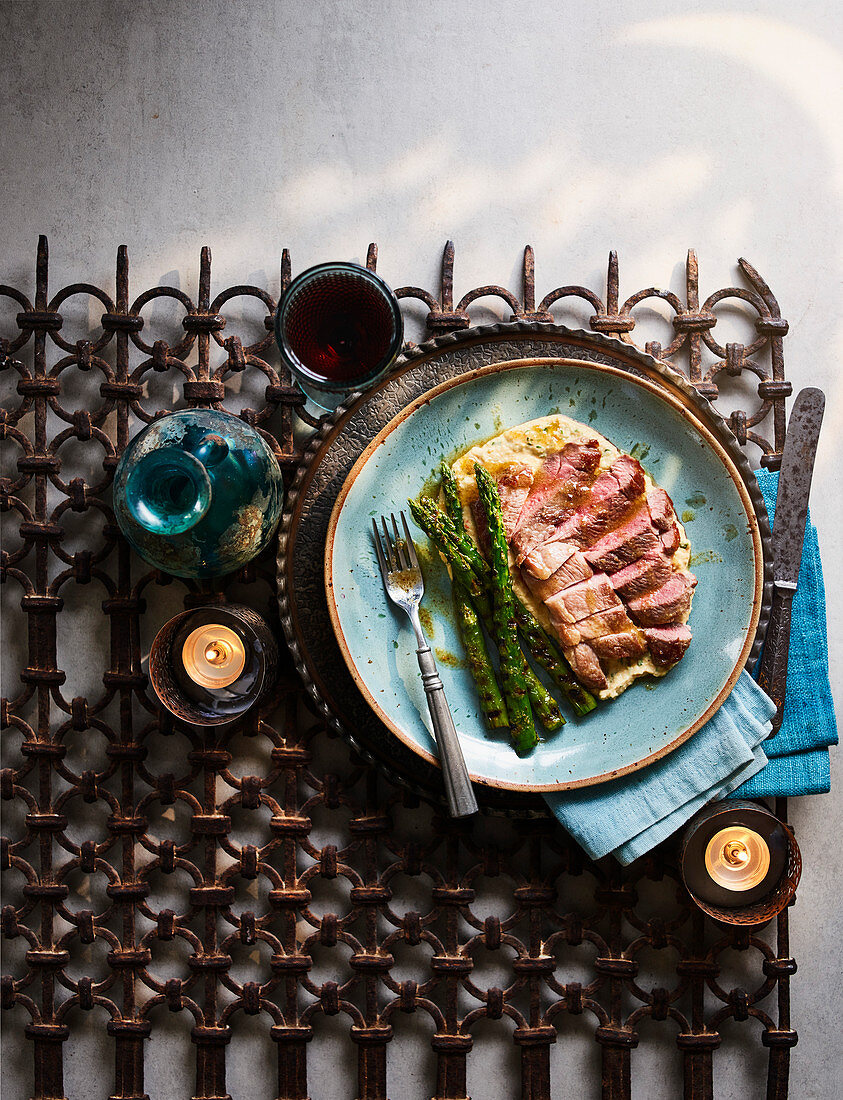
[[322, 126]]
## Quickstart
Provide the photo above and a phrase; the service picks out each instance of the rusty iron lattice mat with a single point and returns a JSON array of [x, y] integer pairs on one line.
[[95, 788]]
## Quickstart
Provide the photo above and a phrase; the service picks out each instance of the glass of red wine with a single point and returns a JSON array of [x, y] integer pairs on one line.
[[339, 330]]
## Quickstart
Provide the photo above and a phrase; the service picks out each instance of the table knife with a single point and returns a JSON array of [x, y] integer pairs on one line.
[[800, 448]]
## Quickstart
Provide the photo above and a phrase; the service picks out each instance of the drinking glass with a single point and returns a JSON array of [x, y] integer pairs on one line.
[[339, 330]]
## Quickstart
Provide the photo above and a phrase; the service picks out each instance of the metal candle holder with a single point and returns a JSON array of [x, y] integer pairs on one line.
[[187, 699], [759, 906]]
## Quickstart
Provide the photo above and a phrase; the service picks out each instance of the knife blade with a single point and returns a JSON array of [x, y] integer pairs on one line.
[[797, 469]]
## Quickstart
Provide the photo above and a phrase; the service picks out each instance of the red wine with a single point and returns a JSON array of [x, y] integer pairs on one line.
[[340, 326]]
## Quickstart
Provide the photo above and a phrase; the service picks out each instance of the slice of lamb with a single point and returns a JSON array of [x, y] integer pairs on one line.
[[586, 667], [668, 643], [612, 496], [514, 486], [614, 620], [557, 476], [661, 509], [665, 604], [545, 560], [583, 599], [630, 475], [670, 540], [575, 569], [649, 572], [625, 544], [617, 646], [541, 526]]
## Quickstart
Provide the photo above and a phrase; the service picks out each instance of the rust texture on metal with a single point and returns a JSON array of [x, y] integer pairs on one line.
[[267, 896]]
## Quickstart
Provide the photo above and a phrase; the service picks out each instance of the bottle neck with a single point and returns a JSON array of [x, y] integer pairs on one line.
[[168, 491]]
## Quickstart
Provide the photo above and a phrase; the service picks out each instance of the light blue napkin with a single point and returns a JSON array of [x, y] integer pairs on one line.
[[629, 816]]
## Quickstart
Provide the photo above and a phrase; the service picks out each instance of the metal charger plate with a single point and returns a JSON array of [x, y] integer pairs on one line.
[[335, 448]]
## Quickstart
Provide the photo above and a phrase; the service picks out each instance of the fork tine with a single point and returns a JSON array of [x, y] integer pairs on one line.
[[388, 548], [411, 546], [400, 552], [379, 550]]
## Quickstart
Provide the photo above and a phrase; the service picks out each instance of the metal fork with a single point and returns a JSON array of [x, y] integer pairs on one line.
[[404, 584]]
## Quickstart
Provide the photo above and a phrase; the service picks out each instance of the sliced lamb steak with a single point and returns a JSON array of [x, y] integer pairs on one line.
[[545, 560], [668, 643], [615, 647], [630, 475], [514, 486], [661, 509], [614, 620], [549, 503], [666, 604], [671, 539], [597, 550], [575, 569], [649, 572], [582, 600], [611, 498], [586, 667], [556, 478], [626, 543]]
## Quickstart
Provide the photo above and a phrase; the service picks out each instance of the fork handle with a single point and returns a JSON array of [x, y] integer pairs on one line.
[[458, 789]]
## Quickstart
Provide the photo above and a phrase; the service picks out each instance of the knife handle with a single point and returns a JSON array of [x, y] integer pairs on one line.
[[772, 671]]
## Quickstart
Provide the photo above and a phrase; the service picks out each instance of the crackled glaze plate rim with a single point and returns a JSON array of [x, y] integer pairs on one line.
[[702, 429]]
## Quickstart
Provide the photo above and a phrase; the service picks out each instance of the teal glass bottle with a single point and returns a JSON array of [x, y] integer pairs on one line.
[[198, 493]]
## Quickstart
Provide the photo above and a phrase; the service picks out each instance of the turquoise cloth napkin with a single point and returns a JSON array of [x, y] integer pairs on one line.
[[799, 751], [629, 816], [799, 773]]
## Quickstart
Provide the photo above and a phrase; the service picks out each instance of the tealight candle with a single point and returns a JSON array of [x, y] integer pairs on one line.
[[739, 863], [210, 665], [213, 656], [737, 858]]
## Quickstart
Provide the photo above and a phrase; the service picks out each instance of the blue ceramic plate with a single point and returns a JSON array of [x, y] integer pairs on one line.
[[681, 454]]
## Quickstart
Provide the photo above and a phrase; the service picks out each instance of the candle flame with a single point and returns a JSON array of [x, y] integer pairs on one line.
[[214, 656], [737, 858], [217, 653], [736, 853]]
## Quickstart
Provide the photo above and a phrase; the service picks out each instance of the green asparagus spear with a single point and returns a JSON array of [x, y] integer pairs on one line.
[[538, 643], [549, 657], [453, 509], [541, 700], [491, 700], [440, 530], [521, 728], [466, 585]]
